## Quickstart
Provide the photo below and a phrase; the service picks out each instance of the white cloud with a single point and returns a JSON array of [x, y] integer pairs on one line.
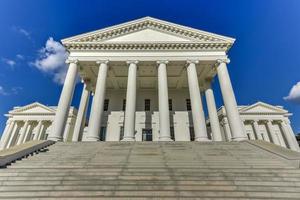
[[19, 56], [51, 60], [2, 91], [12, 91], [9, 62], [294, 95], [22, 31]]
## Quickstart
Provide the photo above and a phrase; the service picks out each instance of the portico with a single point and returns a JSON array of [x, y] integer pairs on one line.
[[147, 76]]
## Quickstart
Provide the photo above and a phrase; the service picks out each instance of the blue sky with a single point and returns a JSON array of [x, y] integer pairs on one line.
[[264, 60]]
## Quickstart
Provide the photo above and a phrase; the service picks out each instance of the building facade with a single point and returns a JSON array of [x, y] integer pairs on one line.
[[33, 122], [262, 121], [147, 77]]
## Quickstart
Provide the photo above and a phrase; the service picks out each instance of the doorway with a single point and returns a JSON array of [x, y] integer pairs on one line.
[[147, 134]]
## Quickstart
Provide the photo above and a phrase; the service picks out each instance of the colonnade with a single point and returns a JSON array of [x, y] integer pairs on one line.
[[18, 131], [164, 125]]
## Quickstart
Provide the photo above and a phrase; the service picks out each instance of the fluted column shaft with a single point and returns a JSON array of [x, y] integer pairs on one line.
[[23, 132], [289, 137], [256, 130], [213, 115], [98, 103], [227, 130], [163, 102], [272, 133], [129, 125], [232, 112], [6, 134], [196, 103], [38, 130], [64, 103], [81, 115], [13, 135]]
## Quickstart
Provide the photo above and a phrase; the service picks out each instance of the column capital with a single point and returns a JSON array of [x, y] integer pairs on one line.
[[192, 61], [105, 61], [69, 61], [162, 62], [128, 62], [220, 61]]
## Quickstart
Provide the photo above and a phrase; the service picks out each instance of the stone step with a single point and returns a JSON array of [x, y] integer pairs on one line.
[[153, 194], [171, 187]]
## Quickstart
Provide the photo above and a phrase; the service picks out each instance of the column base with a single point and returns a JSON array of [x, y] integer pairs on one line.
[[92, 139], [165, 139], [202, 139], [128, 139], [56, 139], [239, 139]]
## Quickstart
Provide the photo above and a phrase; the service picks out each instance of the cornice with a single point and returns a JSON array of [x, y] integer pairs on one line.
[[91, 46]]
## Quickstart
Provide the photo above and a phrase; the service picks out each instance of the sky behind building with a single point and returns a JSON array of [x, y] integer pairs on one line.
[[264, 59]]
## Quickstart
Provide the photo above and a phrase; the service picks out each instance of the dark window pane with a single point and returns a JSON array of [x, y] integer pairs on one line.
[[188, 104], [106, 102], [147, 104], [124, 104], [170, 104], [102, 133]]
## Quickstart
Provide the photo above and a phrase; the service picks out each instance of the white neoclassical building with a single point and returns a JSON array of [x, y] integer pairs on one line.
[[147, 76], [33, 122], [262, 121]]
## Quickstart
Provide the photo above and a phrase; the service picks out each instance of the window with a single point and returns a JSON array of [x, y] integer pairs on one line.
[[170, 105], [102, 133], [172, 133], [188, 104], [147, 104], [124, 104], [192, 134], [106, 102]]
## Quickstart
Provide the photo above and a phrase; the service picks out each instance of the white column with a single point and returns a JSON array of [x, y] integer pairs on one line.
[[213, 115], [289, 137], [41, 134], [6, 134], [272, 133], [196, 103], [288, 125], [64, 103], [38, 130], [227, 129], [163, 102], [232, 112], [97, 104], [13, 135], [23, 132], [27, 134], [256, 130], [81, 115], [129, 125]]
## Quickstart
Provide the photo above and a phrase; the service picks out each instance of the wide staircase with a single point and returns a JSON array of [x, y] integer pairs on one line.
[[170, 170]]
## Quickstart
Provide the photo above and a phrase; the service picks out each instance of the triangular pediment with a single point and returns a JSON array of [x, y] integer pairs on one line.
[[147, 30], [261, 107], [148, 35], [34, 108]]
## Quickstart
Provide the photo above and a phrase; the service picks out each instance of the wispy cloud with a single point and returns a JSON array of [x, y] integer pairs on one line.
[[19, 56], [294, 94], [12, 91], [9, 62], [3, 92], [22, 31], [51, 60]]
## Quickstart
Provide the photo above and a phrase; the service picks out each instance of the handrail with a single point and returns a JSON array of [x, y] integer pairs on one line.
[[18, 152]]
